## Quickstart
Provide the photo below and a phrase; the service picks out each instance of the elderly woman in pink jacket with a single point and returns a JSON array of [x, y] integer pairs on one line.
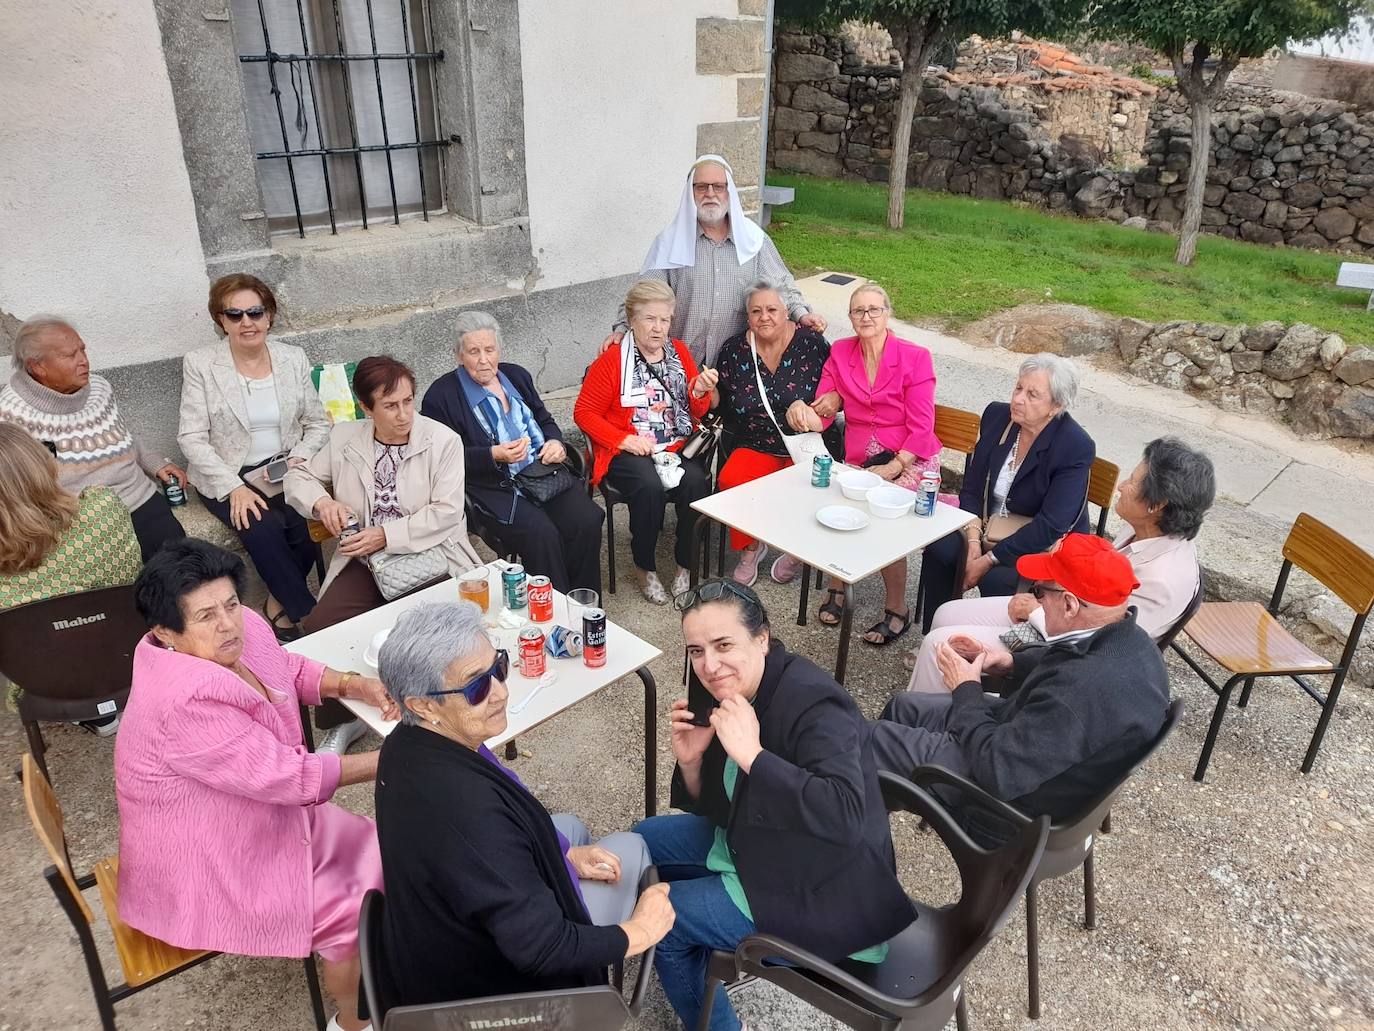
[[886, 386], [227, 838]]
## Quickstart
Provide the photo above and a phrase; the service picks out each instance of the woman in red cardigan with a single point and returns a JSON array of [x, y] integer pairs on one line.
[[639, 403]]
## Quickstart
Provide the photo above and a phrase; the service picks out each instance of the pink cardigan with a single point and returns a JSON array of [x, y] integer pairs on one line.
[[899, 406], [213, 782]]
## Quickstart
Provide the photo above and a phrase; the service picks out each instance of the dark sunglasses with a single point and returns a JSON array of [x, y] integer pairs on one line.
[[236, 314], [1040, 590], [713, 590], [477, 689]]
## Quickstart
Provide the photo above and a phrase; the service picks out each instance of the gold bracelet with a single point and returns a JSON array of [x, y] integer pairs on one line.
[[344, 680]]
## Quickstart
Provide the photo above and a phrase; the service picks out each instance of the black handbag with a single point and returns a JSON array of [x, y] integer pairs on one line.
[[701, 445], [542, 483]]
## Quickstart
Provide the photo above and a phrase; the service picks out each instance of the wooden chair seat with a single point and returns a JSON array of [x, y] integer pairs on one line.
[[143, 958], [1244, 638]]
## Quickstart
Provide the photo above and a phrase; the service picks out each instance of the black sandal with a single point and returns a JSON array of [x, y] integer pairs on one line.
[[829, 608], [286, 632], [883, 628]]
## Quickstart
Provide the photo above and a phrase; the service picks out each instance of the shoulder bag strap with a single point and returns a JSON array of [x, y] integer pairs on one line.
[[763, 392]]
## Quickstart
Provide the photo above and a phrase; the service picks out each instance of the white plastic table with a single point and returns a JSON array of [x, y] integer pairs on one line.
[[343, 646], [780, 510]]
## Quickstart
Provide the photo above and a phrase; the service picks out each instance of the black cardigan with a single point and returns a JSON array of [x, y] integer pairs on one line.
[[1051, 483], [487, 481], [808, 830], [478, 898]]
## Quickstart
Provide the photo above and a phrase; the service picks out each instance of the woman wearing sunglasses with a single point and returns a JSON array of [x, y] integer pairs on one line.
[[244, 402], [785, 831], [486, 894], [228, 839]]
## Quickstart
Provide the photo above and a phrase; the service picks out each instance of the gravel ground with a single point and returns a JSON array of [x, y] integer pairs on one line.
[[1247, 902]]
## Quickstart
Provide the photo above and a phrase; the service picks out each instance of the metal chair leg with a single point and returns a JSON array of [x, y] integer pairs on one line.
[[720, 550], [1218, 715], [1328, 710], [961, 1013], [707, 1004], [610, 544], [1089, 892], [1032, 955], [1245, 693], [312, 980]]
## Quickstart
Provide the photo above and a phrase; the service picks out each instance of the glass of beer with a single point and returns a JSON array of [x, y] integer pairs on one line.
[[473, 586]]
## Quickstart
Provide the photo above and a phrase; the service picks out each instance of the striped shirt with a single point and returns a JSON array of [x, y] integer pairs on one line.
[[711, 295]]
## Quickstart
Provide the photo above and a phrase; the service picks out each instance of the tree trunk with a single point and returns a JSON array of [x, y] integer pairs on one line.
[[915, 53], [1200, 107]]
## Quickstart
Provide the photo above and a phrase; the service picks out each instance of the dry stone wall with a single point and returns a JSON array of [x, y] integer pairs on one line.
[[1284, 168]]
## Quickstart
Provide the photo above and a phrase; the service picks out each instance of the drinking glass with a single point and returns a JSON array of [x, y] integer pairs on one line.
[[473, 586], [578, 600]]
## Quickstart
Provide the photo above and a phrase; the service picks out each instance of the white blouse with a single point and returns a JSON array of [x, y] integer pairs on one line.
[[264, 419]]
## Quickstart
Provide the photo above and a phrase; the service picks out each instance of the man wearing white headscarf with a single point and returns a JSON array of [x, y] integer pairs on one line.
[[710, 254]]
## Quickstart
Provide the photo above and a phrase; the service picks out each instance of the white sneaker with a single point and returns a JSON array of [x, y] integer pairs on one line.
[[682, 581], [652, 588], [334, 1025], [747, 568], [785, 569], [339, 738]]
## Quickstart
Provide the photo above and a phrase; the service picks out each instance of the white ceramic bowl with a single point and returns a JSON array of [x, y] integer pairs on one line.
[[374, 647], [856, 483], [890, 502]]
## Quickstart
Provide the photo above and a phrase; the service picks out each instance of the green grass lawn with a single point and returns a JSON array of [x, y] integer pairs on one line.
[[959, 259]]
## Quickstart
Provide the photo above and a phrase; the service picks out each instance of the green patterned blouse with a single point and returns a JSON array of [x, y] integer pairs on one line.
[[99, 549]]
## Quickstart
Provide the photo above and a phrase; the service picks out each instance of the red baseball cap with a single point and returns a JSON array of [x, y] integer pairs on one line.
[[1086, 566]]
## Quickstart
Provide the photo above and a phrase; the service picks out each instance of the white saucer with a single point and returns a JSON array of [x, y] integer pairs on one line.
[[841, 517]]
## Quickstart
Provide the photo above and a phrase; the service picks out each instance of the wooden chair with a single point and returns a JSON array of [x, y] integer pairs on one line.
[[958, 431], [1102, 479], [143, 960], [1246, 639]]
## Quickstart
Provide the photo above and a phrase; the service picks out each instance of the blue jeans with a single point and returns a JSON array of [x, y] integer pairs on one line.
[[707, 918]]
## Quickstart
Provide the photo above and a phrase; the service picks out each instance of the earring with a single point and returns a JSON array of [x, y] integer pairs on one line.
[[435, 722]]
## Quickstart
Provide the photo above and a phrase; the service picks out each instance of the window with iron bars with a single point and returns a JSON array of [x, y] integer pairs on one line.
[[342, 110]]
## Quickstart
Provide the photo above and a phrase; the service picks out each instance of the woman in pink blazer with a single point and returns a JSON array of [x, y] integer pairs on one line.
[[227, 840], [886, 386]]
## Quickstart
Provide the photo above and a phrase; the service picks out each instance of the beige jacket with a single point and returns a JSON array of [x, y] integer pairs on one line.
[[429, 485], [213, 431]]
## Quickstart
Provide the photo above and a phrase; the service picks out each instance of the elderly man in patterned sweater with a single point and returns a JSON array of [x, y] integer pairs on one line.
[[53, 395]]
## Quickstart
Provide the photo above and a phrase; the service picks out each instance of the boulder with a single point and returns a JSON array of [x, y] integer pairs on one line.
[[1095, 196], [808, 98], [806, 68], [1313, 403], [1067, 329], [1329, 616], [1352, 414], [1304, 195], [1244, 205], [789, 119], [1131, 334], [1334, 223], [1356, 367], [1296, 353], [1264, 336], [809, 162], [1135, 221], [1331, 351]]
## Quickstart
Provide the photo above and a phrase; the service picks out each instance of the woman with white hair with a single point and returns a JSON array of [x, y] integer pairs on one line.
[[1027, 481], [514, 453], [486, 894]]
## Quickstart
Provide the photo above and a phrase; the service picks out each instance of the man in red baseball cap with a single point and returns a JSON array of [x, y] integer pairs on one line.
[[1089, 701]]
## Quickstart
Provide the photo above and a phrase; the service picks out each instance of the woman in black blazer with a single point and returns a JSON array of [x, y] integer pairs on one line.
[[495, 408], [486, 894], [786, 832], [1032, 459]]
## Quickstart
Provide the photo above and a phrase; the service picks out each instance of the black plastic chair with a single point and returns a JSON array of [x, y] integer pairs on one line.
[[600, 1008], [72, 656], [1069, 846], [919, 986]]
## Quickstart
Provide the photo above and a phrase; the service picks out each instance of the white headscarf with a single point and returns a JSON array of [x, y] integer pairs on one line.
[[676, 246]]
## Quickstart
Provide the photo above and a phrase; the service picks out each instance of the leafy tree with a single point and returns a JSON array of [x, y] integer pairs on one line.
[[917, 28], [1193, 33]]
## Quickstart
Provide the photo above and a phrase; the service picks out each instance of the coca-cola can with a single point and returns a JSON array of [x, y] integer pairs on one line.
[[532, 661], [563, 643], [540, 594], [594, 637]]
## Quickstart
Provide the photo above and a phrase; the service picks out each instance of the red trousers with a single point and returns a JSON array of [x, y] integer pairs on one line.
[[742, 466]]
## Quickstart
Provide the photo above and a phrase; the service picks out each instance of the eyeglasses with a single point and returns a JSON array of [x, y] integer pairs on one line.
[[713, 590], [705, 188], [1040, 590], [477, 689], [865, 313], [236, 314]]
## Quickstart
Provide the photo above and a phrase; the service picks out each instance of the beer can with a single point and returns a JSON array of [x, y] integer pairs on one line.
[[820, 471], [927, 494], [532, 662], [174, 492], [594, 637], [540, 594], [563, 643], [350, 528], [513, 586]]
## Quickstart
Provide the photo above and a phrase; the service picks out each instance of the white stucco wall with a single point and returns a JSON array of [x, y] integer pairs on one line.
[[96, 215], [612, 104]]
